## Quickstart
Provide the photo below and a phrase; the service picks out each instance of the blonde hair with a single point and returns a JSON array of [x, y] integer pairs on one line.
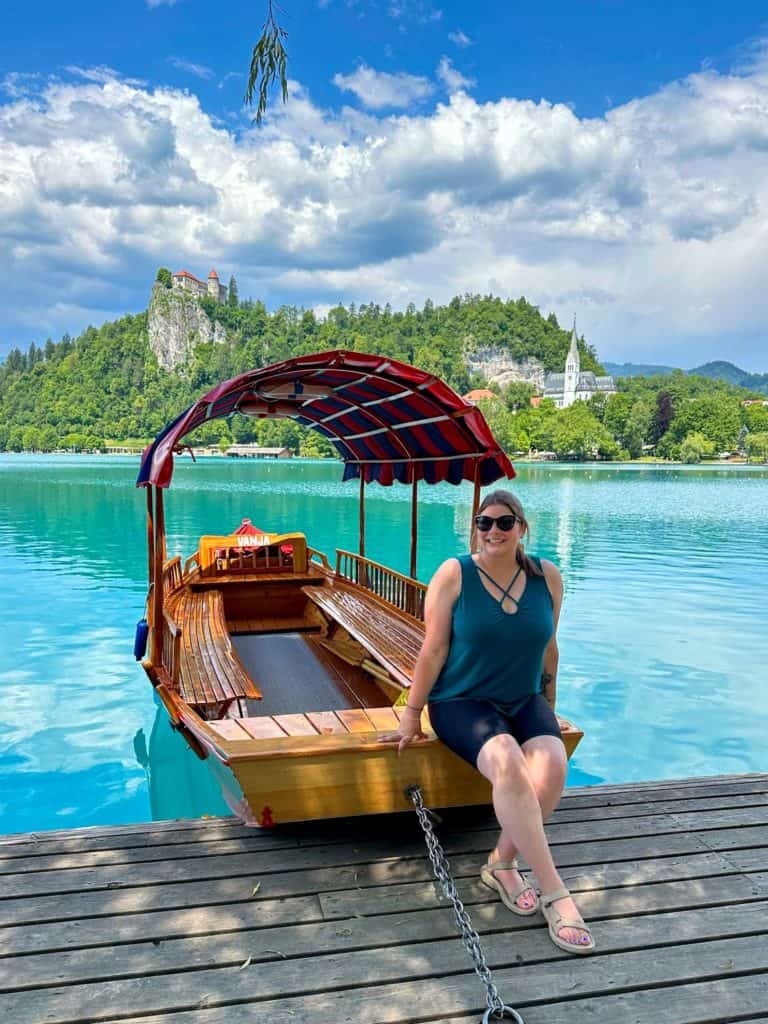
[[502, 497]]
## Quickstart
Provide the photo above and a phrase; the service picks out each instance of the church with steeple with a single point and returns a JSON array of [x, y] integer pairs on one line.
[[575, 385]]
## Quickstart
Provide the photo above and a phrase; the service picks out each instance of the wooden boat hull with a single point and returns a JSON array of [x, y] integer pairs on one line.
[[334, 784], [300, 778]]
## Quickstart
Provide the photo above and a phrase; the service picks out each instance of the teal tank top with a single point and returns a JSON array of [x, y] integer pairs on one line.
[[495, 655]]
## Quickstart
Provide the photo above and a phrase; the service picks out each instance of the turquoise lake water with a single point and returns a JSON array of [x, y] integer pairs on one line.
[[663, 638]]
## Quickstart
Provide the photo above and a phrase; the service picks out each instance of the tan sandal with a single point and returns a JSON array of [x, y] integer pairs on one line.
[[508, 897], [556, 922]]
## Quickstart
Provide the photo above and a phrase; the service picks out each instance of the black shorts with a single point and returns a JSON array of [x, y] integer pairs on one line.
[[464, 724]]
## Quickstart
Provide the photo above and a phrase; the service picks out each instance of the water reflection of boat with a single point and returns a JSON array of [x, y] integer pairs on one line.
[[180, 785], [279, 668]]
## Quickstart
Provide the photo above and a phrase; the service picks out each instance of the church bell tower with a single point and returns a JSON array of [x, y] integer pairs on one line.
[[572, 367]]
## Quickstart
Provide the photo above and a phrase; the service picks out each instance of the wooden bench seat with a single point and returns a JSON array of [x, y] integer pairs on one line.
[[331, 723], [393, 638], [313, 723], [210, 672]]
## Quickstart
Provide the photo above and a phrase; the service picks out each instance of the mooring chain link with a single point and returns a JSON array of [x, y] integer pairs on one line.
[[497, 1009]]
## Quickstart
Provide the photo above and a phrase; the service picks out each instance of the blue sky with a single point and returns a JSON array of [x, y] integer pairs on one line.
[[605, 159]]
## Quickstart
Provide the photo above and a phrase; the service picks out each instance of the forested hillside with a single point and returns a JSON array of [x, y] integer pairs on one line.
[[105, 387]]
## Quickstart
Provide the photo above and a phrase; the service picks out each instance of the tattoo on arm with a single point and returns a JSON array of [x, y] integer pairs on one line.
[[546, 685]]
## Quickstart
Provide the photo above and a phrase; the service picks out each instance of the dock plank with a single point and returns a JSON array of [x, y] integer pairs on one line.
[[176, 921], [90, 877], [281, 884], [286, 942], [438, 985], [74, 853]]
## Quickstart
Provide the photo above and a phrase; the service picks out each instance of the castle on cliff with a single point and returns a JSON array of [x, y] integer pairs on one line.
[[575, 384], [186, 282]]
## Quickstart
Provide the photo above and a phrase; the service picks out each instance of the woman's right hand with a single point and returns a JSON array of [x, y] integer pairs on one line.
[[408, 731]]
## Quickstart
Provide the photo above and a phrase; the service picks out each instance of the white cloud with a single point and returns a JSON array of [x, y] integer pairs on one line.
[[17, 84], [101, 73], [460, 38], [152, 4], [199, 70], [452, 79], [227, 77], [648, 222], [379, 89], [419, 11]]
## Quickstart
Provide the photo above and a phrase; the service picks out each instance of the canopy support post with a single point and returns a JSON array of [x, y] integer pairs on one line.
[[475, 507], [150, 536], [157, 580], [414, 522], [361, 545]]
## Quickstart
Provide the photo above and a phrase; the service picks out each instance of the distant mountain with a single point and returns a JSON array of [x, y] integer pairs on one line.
[[721, 370], [636, 369], [717, 370]]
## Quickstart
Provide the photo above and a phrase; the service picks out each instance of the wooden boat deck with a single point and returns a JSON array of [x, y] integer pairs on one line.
[[211, 674], [393, 638], [198, 922], [296, 671]]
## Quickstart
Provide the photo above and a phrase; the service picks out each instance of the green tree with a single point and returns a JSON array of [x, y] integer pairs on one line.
[[717, 417], [663, 416], [232, 299], [164, 278], [518, 394], [616, 416], [30, 439], [637, 428], [696, 447], [580, 435], [757, 447], [49, 439], [500, 420], [16, 439], [756, 417]]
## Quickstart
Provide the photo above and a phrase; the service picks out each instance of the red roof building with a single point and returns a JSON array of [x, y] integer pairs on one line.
[[478, 395], [186, 273], [212, 287]]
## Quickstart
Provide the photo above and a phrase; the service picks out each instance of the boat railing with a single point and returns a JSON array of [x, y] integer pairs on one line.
[[171, 651], [317, 556], [192, 565], [403, 592], [171, 575], [170, 641]]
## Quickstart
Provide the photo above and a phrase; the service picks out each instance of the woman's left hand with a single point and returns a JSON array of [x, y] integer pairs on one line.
[[409, 730]]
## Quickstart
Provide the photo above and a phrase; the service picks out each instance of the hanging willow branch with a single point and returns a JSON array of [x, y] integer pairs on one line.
[[267, 63]]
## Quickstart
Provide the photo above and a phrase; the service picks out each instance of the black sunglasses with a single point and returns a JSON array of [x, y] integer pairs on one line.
[[505, 523]]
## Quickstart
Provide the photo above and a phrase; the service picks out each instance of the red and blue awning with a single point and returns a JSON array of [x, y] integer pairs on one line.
[[387, 420]]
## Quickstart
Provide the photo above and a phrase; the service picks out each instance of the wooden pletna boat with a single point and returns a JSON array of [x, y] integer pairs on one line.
[[279, 667]]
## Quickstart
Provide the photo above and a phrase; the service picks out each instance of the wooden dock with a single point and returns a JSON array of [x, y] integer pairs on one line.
[[201, 922]]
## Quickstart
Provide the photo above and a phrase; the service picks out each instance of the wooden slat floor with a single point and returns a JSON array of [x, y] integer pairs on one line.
[[200, 922]]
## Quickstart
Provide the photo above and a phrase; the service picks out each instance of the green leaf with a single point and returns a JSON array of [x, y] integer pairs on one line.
[[268, 62]]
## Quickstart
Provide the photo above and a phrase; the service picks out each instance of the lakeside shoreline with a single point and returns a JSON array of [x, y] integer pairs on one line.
[[650, 463]]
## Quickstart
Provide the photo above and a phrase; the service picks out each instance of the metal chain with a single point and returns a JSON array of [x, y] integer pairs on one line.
[[497, 1009]]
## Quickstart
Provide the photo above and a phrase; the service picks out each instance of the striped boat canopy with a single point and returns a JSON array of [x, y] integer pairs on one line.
[[387, 420]]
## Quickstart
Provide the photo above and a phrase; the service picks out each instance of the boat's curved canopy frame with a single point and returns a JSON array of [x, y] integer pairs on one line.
[[387, 420]]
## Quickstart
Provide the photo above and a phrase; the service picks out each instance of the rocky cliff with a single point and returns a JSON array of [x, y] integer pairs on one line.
[[497, 366], [177, 323]]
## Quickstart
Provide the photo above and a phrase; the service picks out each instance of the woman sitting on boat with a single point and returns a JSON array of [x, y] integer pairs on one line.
[[488, 668]]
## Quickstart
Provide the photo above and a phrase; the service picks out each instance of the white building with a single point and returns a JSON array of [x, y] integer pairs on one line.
[[574, 385], [187, 282]]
